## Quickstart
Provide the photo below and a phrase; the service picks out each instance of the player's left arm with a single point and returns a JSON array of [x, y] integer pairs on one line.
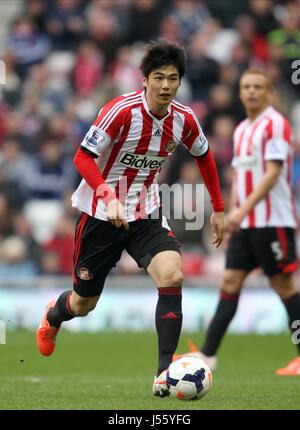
[[208, 170], [198, 147]]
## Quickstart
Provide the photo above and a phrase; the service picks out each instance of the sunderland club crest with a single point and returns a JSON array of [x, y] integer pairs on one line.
[[170, 146]]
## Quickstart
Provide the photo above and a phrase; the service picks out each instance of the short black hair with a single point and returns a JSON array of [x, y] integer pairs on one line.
[[163, 53]]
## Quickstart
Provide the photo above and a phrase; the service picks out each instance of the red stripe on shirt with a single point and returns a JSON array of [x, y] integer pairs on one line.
[[118, 145], [263, 150], [249, 175], [239, 143], [235, 179], [237, 150], [185, 130], [167, 131], [141, 148], [250, 139], [249, 189], [192, 128], [287, 131], [140, 207], [165, 138]]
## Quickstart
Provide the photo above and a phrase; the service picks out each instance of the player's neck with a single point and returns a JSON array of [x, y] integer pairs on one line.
[[156, 109], [252, 114], [158, 115]]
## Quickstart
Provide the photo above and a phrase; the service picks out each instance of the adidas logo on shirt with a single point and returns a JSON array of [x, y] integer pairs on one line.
[[157, 133]]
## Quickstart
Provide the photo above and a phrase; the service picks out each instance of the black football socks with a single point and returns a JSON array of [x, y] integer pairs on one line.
[[168, 320], [61, 311], [226, 310]]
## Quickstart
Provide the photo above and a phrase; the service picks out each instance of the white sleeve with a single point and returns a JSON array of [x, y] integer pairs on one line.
[[195, 142], [96, 140], [200, 146], [276, 149]]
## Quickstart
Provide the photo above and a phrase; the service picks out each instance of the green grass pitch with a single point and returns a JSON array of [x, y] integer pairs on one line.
[[114, 371]]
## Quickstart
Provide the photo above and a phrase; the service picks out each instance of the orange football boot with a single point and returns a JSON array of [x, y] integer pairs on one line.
[[292, 369], [45, 334]]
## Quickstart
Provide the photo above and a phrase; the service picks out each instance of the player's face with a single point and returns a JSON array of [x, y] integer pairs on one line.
[[254, 92], [162, 85]]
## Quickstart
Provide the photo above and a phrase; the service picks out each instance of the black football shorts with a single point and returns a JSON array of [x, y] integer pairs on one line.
[[99, 246], [271, 248]]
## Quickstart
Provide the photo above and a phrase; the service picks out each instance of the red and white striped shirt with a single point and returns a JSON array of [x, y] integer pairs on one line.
[[268, 137], [131, 145]]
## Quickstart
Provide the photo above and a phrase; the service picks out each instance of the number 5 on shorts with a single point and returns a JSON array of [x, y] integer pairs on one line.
[[277, 251]]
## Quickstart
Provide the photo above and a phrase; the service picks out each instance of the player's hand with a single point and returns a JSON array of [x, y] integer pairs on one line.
[[234, 219], [217, 228], [115, 214]]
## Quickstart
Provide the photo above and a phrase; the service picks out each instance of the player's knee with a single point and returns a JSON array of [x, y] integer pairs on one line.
[[283, 285], [283, 291], [230, 285], [177, 279], [171, 278]]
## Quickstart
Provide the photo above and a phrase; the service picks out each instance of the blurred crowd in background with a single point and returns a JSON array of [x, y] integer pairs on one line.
[[66, 58]]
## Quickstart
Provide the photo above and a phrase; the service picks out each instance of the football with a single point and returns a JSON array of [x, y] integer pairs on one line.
[[189, 378]]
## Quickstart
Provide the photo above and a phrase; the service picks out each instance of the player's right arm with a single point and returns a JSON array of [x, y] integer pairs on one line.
[[267, 182], [100, 135]]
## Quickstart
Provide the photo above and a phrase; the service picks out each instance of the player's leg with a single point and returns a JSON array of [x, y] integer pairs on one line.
[[165, 271], [276, 252], [155, 247], [239, 263], [92, 262], [279, 268], [230, 288], [68, 306]]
